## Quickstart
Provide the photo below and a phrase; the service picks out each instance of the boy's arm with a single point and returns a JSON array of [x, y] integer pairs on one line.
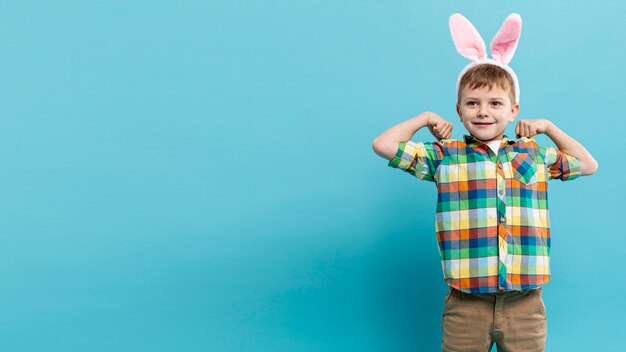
[[565, 143], [386, 145]]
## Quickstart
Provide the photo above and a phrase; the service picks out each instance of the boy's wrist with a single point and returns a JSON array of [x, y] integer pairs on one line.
[[431, 118], [422, 120], [550, 128]]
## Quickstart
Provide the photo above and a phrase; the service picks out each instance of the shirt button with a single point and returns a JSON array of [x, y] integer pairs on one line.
[[501, 191], [502, 219]]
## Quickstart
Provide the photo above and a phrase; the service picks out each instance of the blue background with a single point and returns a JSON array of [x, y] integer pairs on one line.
[[198, 175]]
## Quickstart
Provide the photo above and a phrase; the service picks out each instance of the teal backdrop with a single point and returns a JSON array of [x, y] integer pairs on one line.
[[199, 176]]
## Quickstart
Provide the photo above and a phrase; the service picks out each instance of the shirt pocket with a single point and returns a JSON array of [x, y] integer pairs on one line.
[[524, 168]]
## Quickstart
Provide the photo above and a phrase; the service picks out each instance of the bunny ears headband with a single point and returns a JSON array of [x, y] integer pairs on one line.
[[470, 44]]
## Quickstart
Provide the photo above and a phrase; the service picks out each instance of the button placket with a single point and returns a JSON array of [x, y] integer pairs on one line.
[[502, 230]]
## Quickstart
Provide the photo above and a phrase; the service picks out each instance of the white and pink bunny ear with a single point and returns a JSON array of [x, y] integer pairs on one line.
[[505, 41], [466, 38]]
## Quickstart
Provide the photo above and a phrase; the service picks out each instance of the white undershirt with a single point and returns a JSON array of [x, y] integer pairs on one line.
[[494, 145]]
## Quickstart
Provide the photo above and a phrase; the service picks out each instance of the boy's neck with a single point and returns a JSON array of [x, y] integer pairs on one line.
[[468, 138]]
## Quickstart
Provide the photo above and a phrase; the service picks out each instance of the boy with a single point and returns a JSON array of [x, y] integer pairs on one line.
[[492, 217]]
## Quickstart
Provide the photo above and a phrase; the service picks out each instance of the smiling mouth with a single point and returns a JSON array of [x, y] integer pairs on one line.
[[483, 123]]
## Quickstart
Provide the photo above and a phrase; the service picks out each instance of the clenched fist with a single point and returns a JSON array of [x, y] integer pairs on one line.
[[529, 128], [439, 127]]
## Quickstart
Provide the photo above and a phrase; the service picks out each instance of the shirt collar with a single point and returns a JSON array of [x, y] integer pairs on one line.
[[469, 139]]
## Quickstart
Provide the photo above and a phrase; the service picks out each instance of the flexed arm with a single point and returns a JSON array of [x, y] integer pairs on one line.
[[565, 143], [386, 145]]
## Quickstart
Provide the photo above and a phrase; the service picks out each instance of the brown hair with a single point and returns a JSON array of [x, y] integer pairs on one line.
[[486, 75]]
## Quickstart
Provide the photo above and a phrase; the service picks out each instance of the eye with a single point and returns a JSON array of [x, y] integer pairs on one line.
[[497, 103], [471, 103]]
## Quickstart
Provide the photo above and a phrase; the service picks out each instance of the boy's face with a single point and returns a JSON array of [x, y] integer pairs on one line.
[[486, 112]]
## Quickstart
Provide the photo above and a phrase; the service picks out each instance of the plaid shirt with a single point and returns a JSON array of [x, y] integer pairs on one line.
[[493, 228]]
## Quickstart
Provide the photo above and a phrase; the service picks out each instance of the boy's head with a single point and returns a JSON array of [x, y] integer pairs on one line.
[[487, 89], [486, 101]]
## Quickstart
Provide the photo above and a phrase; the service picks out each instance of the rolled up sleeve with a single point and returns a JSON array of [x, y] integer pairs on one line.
[[560, 166], [419, 159]]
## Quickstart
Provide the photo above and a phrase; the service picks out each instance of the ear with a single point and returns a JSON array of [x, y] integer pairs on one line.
[[514, 112], [505, 41], [466, 38], [458, 111]]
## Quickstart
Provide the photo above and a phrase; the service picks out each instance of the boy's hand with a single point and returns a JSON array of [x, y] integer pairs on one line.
[[529, 128], [439, 127]]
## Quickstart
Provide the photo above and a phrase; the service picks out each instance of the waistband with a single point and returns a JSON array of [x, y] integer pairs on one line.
[[501, 294]]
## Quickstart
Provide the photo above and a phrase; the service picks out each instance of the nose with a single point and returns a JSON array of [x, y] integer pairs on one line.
[[482, 112]]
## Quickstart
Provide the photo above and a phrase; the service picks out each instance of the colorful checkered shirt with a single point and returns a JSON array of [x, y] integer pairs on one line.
[[492, 225]]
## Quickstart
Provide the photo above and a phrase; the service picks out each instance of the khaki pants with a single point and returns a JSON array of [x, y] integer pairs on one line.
[[515, 321]]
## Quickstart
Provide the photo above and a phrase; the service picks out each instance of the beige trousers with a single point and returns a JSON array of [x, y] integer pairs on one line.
[[515, 321]]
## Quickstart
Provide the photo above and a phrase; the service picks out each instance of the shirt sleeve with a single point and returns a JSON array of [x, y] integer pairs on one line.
[[560, 165], [419, 159]]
